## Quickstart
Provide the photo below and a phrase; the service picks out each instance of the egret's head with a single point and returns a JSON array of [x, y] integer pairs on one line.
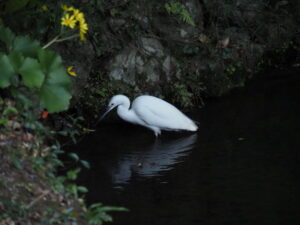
[[114, 102], [117, 100]]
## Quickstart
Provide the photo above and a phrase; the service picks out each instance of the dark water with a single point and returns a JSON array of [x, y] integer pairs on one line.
[[242, 167]]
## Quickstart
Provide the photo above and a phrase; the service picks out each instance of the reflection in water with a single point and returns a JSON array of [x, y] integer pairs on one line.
[[160, 156]]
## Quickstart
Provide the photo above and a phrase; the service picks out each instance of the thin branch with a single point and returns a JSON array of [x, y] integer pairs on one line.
[[67, 38], [37, 199], [51, 42]]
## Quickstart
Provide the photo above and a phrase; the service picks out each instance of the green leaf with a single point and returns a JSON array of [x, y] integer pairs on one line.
[[74, 156], [55, 94], [49, 59], [59, 76], [3, 121], [86, 164], [7, 37], [82, 189], [72, 174], [15, 5], [26, 46], [54, 98], [10, 110], [31, 73], [16, 59], [177, 8], [53, 66], [7, 71], [168, 7]]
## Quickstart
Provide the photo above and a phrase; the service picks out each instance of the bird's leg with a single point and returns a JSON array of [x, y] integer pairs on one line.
[[157, 132]]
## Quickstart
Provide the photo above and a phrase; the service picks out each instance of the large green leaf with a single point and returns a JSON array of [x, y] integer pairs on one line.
[[55, 98], [16, 59], [32, 73], [58, 76], [49, 59], [26, 46], [15, 5], [6, 71], [55, 94], [7, 37], [53, 67]]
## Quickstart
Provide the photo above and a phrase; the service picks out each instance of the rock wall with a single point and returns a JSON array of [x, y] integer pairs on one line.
[[145, 47]]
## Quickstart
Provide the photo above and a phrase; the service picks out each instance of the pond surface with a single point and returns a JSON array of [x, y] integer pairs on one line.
[[242, 167]]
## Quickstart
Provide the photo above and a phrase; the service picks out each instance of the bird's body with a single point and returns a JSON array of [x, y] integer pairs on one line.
[[151, 112]]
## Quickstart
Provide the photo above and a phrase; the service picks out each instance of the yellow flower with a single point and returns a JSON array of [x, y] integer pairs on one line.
[[83, 28], [79, 16], [66, 8], [68, 21], [76, 12], [76, 18], [72, 73]]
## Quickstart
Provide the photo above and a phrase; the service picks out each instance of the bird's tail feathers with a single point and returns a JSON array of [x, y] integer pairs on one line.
[[193, 125]]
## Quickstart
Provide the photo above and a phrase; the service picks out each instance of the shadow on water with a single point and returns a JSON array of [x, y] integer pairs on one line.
[[242, 167]]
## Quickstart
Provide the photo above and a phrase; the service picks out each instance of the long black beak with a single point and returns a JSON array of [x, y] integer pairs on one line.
[[108, 109]]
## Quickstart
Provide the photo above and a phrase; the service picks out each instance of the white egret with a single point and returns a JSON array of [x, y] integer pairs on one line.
[[151, 112]]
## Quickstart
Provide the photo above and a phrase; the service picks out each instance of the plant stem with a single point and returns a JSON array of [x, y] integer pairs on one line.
[[59, 40], [67, 38], [51, 42]]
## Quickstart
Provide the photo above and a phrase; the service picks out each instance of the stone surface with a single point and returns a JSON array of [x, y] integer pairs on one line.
[[146, 60], [143, 46]]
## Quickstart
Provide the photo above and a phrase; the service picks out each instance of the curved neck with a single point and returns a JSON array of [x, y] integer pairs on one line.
[[127, 114]]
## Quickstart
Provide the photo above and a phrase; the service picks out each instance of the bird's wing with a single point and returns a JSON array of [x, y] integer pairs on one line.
[[151, 118], [159, 113]]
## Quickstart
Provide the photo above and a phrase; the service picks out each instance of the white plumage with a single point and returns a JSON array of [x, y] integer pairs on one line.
[[151, 112]]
